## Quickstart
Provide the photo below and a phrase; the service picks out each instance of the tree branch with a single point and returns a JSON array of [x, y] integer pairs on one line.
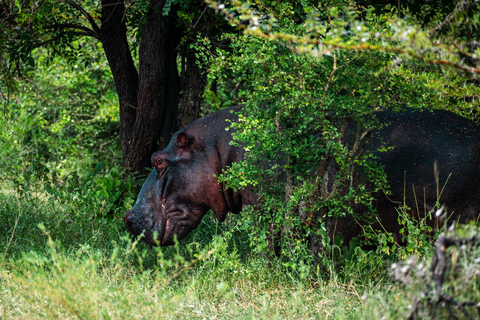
[[461, 6], [87, 31], [295, 43], [412, 272], [90, 19], [439, 258], [41, 44]]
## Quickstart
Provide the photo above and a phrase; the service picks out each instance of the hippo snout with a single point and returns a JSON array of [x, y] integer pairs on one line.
[[129, 221], [133, 223], [145, 224], [125, 218]]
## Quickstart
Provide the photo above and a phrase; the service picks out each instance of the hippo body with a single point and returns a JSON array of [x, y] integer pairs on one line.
[[183, 186]]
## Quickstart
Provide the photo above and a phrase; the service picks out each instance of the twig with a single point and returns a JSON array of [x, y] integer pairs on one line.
[[295, 44], [461, 6], [13, 232], [439, 259]]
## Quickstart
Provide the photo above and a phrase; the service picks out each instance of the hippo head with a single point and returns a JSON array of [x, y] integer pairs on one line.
[[183, 184]]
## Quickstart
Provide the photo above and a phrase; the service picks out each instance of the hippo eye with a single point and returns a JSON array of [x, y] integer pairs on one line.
[[160, 164]]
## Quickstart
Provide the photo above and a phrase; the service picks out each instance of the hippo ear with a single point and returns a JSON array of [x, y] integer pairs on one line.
[[182, 140]]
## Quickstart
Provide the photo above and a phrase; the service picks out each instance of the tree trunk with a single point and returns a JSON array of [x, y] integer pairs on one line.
[[172, 87], [144, 134], [148, 99], [113, 35], [193, 84]]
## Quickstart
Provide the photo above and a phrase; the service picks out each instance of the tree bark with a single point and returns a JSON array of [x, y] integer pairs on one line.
[[193, 84], [172, 87], [113, 35], [151, 90], [149, 96], [148, 99]]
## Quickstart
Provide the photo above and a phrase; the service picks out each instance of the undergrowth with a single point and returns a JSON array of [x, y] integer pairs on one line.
[[65, 255]]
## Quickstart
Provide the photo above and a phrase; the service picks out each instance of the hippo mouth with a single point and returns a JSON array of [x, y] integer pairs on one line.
[[150, 227], [173, 220], [159, 222], [163, 229], [155, 237], [179, 222], [152, 236]]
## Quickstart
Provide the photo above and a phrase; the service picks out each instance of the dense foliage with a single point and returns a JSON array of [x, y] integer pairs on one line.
[[302, 69], [305, 72]]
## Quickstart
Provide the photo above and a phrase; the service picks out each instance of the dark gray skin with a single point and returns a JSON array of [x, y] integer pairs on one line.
[[419, 140], [183, 186]]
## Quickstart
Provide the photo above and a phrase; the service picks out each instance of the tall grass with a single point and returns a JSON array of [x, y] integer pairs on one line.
[[68, 259], [90, 283], [60, 262], [64, 254]]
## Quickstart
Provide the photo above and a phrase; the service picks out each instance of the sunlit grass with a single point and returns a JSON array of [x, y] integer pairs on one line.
[[60, 264], [64, 254], [90, 285]]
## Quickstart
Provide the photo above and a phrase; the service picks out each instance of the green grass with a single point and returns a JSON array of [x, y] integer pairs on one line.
[[91, 285], [65, 255], [59, 263]]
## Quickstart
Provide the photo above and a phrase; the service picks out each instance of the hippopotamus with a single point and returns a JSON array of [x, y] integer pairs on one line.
[[183, 184]]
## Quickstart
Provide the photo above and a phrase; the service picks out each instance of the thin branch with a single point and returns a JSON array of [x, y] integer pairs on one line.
[[87, 31], [41, 44], [201, 15], [294, 43], [365, 47], [439, 258], [460, 7], [90, 19], [435, 298]]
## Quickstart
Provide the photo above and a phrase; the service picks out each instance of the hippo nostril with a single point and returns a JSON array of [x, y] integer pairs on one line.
[[126, 218]]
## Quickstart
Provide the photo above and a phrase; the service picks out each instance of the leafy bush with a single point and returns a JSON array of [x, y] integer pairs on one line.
[[59, 156], [294, 125], [63, 114]]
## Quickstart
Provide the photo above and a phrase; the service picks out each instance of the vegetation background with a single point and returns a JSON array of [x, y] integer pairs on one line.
[[64, 188]]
